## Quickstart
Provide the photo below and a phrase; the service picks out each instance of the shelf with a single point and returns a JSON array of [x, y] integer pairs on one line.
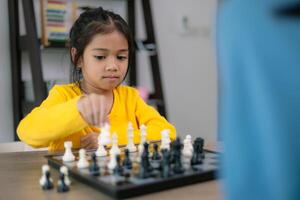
[[57, 44], [62, 44]]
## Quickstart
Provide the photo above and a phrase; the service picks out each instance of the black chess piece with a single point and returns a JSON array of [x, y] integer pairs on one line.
[[200, 141], [48, 183], [127, 163], [144, 166], [177, 168], [118, 170], [62, 186], [94, 168], [198, 152], [156, 155], [172, 152], [145, 154], [146, 148], [165, 164]]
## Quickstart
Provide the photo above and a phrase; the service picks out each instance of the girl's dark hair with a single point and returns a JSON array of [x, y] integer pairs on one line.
[[90, 23]]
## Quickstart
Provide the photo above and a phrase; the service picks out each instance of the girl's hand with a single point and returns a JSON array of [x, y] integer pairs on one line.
[[94, 108], [89, 141]]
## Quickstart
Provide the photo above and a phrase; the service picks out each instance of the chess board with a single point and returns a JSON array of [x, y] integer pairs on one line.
[[131, 185]]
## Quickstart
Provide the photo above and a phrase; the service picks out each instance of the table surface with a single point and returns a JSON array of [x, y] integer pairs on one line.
[[20, 173]]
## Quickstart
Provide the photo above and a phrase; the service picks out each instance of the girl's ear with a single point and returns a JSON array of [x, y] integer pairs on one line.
[[73, 54]]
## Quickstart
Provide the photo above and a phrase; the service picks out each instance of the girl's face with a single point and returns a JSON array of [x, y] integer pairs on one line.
[[104, 62]]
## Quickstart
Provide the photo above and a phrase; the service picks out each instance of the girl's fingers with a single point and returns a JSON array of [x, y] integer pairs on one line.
[[91, 146], [84, 143], [93, 108], [89, 141], [89, 110], [95, 111], [103, 114]]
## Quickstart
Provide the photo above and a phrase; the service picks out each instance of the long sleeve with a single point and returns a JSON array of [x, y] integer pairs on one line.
[[153, 120], [56, 118]]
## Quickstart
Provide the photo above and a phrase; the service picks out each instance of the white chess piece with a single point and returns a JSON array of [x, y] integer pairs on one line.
[[112, 162], [103, 139], [130, 144], [65, 171], [68, 155], [188, 138], [82, 162], [114, 148], [45, 168], [143, 134], [165, 139], [105, 135], [101, 151], [187, 151]]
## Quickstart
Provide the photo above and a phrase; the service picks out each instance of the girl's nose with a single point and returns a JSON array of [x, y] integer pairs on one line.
[[111, 65]]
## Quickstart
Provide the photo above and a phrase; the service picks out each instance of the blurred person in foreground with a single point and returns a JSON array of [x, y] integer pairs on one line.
[[259, 98]]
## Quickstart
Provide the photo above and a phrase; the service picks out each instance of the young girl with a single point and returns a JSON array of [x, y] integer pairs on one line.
[[100, 49]]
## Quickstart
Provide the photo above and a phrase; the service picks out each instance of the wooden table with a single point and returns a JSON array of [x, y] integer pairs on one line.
[[20, 173]]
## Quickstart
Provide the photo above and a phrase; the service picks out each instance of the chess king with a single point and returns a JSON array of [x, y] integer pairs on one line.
[[100, 49]]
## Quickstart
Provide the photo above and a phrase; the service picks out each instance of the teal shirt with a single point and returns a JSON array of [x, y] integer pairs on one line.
[[259, 99]]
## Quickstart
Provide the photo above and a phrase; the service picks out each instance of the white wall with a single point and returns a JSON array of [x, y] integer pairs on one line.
[[186, 59], [6, 112], [188, 66]]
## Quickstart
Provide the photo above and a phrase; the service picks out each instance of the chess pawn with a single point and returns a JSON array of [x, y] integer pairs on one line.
[[143, 135], [82, 163], [45, 181], [115, 148], [68, 155], [130, 145], [61, 185], [65, 171], [45, 168]]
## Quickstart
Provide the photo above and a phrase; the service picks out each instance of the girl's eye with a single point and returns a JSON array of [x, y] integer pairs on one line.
[[99, 57], [121, 57]]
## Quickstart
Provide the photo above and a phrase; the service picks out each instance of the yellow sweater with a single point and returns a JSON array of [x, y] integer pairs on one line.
[[57, 119]]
